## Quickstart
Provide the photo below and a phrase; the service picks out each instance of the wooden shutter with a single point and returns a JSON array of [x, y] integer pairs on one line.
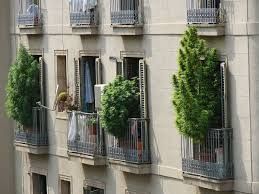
[[223, 74], [42, 81], [143, 88], [120, 68], [77, 96], [98, 71]]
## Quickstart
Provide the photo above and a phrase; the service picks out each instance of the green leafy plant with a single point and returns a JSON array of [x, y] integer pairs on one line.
[[23, 89], [120, 101], [196, 95]]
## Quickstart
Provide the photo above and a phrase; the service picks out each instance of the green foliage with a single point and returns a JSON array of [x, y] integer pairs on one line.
[[23, 89], [120, 101], [196, 95]]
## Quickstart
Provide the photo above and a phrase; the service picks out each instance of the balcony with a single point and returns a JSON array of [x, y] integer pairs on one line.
[[29, 17], [127, 17], [207, 15], [33, 140], [209, 164], [84, 17], [85, 138], [131, 153]]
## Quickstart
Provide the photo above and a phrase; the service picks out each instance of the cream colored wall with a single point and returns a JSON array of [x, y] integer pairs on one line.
[[165, 22]]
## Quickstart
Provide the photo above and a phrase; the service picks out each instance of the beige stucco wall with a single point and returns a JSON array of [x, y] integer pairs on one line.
[[165, 22]]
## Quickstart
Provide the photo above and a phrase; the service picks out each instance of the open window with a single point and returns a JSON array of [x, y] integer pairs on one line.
[[87, 75], [93, 190], [130, 68], [39, 184]]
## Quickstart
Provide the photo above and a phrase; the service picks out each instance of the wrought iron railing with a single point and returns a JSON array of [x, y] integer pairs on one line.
[[134, 147], [127, 12], [29, 20], [29, 13], [205, 12], [83, 12], [38, 135], [212, 158], [85, 136]]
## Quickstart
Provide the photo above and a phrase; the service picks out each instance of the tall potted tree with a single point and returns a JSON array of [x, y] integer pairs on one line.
[[196, 96], [23, 89]]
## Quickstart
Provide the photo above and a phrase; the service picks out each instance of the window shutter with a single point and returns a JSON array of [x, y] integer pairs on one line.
[[42, 81], [143, 88], [223, 73], [77, 98], [120, 69], [98, 71]]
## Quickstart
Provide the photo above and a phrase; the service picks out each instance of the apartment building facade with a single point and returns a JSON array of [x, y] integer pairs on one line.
[[74, 40]]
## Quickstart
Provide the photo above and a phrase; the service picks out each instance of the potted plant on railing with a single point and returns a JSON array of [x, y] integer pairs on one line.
[[23, 89], [65, 102], [196, 97], [120, 101]]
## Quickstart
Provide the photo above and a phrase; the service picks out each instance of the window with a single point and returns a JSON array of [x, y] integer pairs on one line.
[[130, 68], [39, 184], [65, 187], [61, 73], [93, 190], [87, 75]]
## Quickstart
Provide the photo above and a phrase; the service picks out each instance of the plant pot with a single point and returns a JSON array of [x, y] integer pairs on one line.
[[140, 150]]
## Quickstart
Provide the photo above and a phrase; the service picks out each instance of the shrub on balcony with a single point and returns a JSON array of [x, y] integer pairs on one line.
[[120, 101], [23, 89], [196, 95]]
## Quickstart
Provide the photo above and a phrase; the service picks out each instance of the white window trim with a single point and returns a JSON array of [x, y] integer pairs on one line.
[[130, 191], [94, 183], [40, 171], [132, 54], [89, 53]]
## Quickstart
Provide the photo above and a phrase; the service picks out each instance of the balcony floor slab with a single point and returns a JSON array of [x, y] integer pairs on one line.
[[32, 149], [90, 160], [130, 167], [203, 182], [210, 29], [84, 29], [127, 30], [30, 30]]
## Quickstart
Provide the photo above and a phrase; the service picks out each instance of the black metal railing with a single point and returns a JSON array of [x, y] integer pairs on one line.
[[38, 135], [212, 158], [205, 12], [127, 12], [83, 12], [134, 147], [85, 136]]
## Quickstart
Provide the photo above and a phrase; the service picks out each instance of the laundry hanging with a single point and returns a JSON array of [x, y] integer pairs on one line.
[[89, 95], [72, 128]]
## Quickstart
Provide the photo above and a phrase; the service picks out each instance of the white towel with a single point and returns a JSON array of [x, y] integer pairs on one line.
[[72, 128]]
